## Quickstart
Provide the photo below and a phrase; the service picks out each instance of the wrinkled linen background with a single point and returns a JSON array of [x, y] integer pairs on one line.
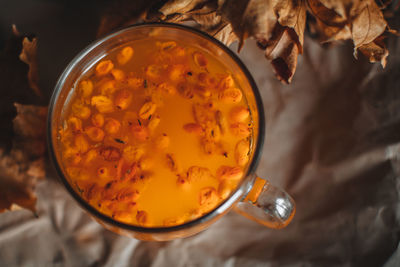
[[332, 141]]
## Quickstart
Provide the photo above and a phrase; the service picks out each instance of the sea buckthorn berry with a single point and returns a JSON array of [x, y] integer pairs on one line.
[[125, 55], [135, 83], [118, 74], [94, 133], [196, 173], [226, 82], [229, 173], [171, 162], [107, 87], [104, 67], [90, 156], [130, 172], [206, 79], [147, 110], [80, 110], [86, 88], [208, 196], [178, 51], [70, 150], [128, 195], [203, 78], [210, 147], [123, 216], [167, 88], [225, 187], [166, 45], [142, 217], [157, 98], [193, 128], [110, 153], [174, 221], [154, 72], [231, 95], [74, 172], [221, 121], [102, 103], [240, 129], [91, 191], [81, 143], [203, 113], [74, 124], [112, 126], [176, 72], [76, 159], [132, 154], [213, 133], [185, 90], [140, 132], [202, 91], [153, 123], [242, 152], [199, 59], [98, 120], [239, 114], [123, 99], [120, 164]]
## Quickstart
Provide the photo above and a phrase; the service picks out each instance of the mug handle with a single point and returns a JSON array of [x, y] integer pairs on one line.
[[267, 205]]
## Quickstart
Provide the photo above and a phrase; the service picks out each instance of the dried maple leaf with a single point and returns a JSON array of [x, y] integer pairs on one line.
[[22, 132]]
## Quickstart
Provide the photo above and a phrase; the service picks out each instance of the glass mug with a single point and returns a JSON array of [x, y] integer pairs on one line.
[[254, 197]]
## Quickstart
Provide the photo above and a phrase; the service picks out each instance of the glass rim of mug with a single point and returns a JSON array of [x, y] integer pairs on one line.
[[226, 203]]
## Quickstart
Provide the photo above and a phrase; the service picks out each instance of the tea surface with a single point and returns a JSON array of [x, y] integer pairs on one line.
[[156, 134]]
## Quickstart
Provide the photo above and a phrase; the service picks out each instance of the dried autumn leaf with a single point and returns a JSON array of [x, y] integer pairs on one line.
[[361, 21], [22, 144], [282, 50], [205, 16], [292, 14], [278, 25], [28, 55], [24, 165], [325, 12], [254, 18], [340, 7], [375, 51], [368, 24], [225, 34]]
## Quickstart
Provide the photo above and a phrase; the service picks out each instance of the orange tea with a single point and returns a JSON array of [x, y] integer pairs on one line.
[[156, 134]]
